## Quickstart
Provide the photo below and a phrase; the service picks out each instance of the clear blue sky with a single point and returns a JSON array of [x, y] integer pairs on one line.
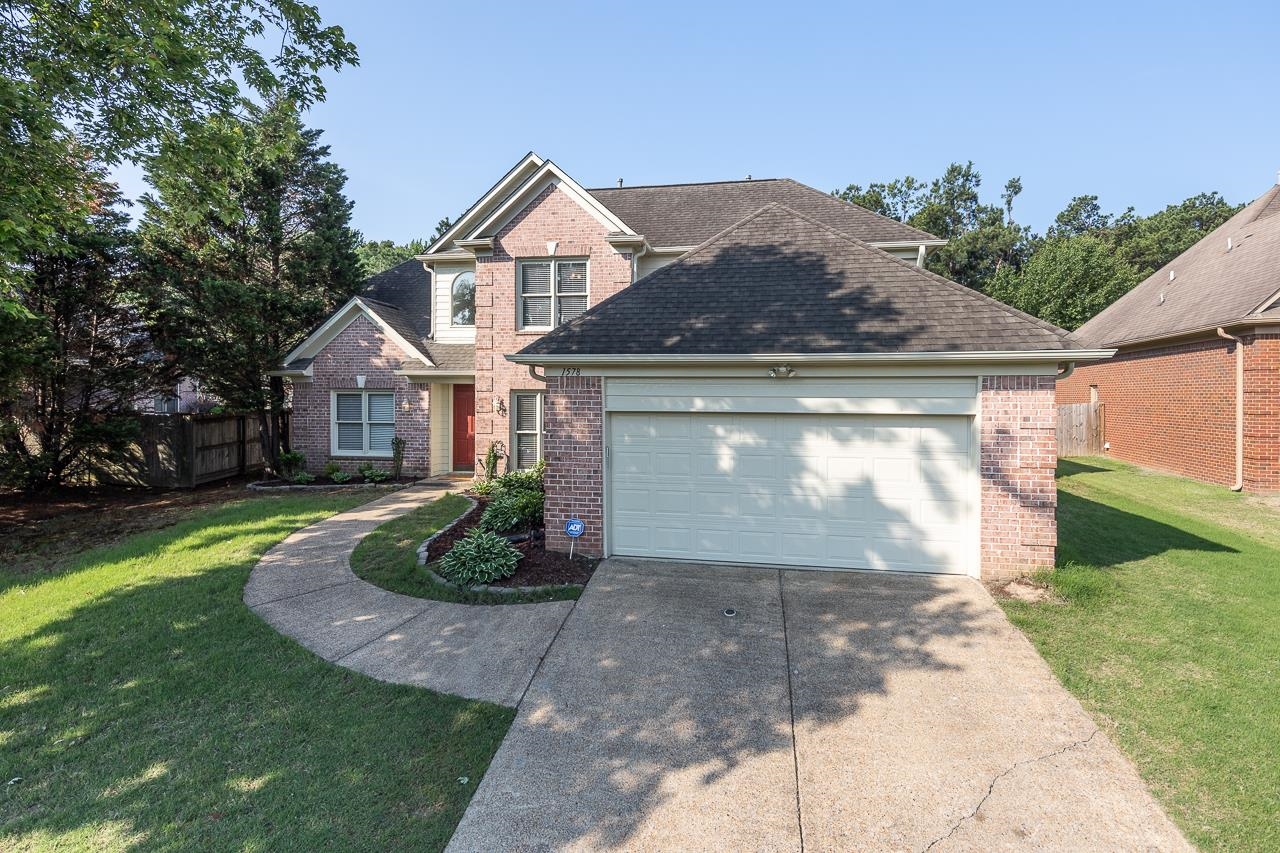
[[1140, 104]]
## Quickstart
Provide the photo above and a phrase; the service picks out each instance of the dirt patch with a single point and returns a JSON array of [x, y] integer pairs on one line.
[[1025, 589], [39, 531], [537, 566]]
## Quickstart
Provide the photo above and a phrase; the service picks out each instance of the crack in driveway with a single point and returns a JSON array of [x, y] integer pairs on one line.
[[995, 781]]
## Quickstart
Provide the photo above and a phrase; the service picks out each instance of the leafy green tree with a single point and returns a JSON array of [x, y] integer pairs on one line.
[[982, 238], [91, 81], [1066, 281], [380, 255], [82, 355], [1148, 243], [235, 284]]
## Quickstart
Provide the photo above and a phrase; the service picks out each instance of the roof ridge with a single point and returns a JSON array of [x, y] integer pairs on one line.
[[685, 184], [955, 285], [839, 200]]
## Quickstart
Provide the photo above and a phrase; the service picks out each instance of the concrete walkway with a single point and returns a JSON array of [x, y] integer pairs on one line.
[[832, 712], [304, 587]]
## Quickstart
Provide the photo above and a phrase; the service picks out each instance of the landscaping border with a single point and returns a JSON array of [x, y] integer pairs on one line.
[[300, 487], [501, 590]]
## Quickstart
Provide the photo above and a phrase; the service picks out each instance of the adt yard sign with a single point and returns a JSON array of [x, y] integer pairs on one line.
[[574, 528]]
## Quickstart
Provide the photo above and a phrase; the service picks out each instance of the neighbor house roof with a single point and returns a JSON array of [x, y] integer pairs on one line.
[[688, 214], [1232, 276], [782, 282]]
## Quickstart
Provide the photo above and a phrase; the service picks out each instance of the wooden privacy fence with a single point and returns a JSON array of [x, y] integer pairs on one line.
[[1080, 429], [184, 451]]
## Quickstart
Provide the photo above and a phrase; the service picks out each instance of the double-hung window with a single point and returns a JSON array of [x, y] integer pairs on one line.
[[526, 427], [364, 422], [551, 292]]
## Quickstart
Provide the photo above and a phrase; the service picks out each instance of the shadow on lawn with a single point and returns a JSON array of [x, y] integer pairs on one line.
[[1100, 535], [163, 714], [1070, 467]]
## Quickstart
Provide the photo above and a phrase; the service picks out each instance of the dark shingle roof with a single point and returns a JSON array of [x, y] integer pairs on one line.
[[782, 282], [1211, 285], [401, 296], [689, 214], [407, 288]]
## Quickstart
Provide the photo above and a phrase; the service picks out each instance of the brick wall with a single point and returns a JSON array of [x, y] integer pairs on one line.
[[553, 215], [1262, 413], [1173, 408], [574, 450], [360, 349], [1018, 529]]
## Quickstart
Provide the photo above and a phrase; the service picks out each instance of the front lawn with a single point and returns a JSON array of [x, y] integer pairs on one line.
[[1168, 630], [143, 705]]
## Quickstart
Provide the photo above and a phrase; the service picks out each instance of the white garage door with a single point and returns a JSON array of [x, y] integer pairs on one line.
[[894, 492]]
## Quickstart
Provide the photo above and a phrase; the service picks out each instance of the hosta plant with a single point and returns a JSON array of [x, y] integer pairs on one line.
[[512, 510], [480, 557]]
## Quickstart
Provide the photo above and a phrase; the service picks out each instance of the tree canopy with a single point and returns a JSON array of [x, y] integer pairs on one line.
[[1087, 259]]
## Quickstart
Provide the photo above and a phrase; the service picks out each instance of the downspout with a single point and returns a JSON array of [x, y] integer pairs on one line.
[[1239, 483], [533, 371], [1066, 371]]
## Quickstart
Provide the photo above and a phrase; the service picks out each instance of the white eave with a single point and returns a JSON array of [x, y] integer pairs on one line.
[[546, 174], [992, 357], [507, 184]]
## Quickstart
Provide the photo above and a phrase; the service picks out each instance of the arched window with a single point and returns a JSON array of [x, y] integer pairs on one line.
[[464, 299]]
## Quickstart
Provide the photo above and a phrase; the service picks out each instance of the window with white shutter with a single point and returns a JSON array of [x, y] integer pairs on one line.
[[551, 292], [363, 423], [527, 428]]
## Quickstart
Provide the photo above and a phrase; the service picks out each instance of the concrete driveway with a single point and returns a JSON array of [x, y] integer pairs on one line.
[[834, 711]]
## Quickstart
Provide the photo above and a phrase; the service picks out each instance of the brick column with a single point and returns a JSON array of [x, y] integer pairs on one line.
[[1019, 458], [573, 436], [1261, 413]]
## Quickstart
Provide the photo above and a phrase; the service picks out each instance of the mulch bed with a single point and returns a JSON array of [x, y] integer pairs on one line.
[[356, 480], [537, 566]]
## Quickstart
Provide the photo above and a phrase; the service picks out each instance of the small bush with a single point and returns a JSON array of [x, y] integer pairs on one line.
[[332, 467], [479, 558], [398, 445], [302, 478], [513, 509], [484, 487], [496, 453], [291, 462], [374, 474], [340, 476], [528, 480]]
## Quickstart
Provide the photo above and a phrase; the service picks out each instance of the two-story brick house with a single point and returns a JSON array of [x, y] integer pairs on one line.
[[749, 371]]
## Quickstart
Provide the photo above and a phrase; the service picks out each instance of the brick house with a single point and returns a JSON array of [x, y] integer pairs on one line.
[[744, 371], [1195, 385]]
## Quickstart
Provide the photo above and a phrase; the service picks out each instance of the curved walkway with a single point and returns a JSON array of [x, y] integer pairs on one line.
[[304, 588]]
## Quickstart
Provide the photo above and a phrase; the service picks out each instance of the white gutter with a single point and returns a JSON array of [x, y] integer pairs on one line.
[[1239, 483], [1057, 356]]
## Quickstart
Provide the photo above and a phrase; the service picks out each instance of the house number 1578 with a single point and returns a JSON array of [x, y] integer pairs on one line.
[[571, 371]]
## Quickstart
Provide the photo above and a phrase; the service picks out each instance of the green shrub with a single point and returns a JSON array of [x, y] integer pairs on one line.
[[480, 557], [340, 476], [374, 474], [302, 478], [398, 445], [484, 487], [527, 480], [513, 509], [292, 461], [496, 453], [332, 467]]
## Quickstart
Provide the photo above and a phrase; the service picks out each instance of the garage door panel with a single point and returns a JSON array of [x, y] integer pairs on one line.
[[850, 491]]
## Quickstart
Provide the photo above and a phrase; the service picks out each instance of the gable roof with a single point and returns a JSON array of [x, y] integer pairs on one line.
[[779, 282], [398, 301], [1212, 286], [689, 214]]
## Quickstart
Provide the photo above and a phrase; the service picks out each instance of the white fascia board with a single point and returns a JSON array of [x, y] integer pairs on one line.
[[507, 184], [671, 250], [548, 173], [1057, 356], [904, 244], [1198, 332], [342, 318]]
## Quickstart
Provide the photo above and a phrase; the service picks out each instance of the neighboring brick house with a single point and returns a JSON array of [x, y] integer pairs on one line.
[[1195, 385], [744, 371]]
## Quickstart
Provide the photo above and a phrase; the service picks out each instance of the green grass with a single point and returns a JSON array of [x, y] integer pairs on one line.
[[1168, 630], [388, 557], [144, 706]]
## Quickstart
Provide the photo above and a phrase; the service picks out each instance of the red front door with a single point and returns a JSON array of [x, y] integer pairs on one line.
[[464, 427]]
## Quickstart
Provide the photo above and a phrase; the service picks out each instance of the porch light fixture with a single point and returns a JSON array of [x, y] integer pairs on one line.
[[500, 406], [782, 371]]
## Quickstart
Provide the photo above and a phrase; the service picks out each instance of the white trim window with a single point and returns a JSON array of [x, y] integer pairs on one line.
[[362, 423], [462, 304], [550, 292], [526, 428]]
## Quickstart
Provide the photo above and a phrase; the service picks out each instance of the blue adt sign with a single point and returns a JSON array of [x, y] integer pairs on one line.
[[574, 527]]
